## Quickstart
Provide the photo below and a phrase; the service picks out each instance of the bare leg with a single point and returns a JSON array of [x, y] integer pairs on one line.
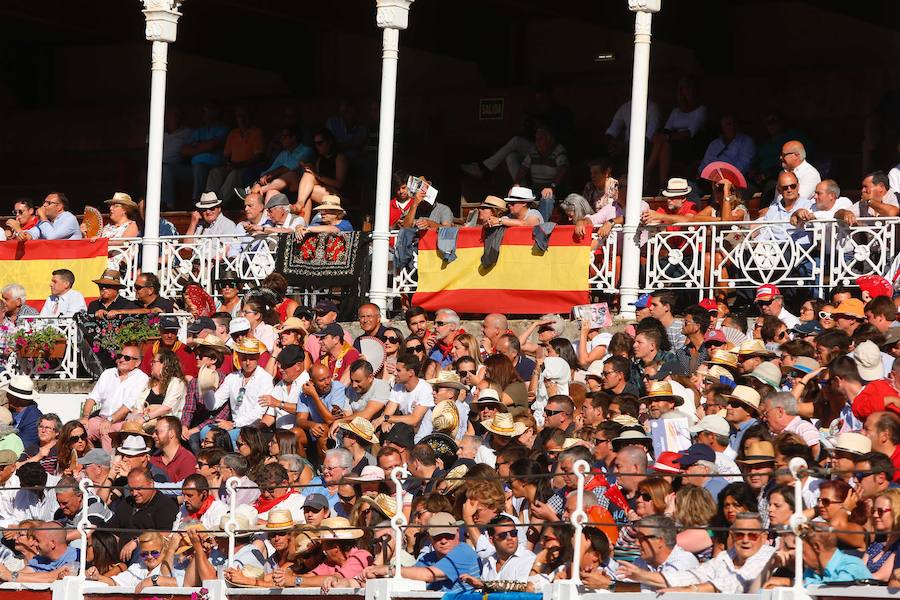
[[305, 187]]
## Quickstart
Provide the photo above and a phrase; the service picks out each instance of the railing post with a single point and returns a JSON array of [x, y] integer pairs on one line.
[[231, 525], [797, 467], [579, 517], [85, 486], [398, 521]]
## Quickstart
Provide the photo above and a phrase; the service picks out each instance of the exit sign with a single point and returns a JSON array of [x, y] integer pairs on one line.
[[490, 109]]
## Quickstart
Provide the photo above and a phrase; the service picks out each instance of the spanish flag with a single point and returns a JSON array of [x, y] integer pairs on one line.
[[31, 264], [524, 280]]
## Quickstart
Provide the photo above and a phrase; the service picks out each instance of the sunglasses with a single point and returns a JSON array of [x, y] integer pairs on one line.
[[750, 535], [789, 186], [643, 537], [20, 212], [141, 287], [200, 465], [74, 439], [305, 316], [550, 413], [601, 440], [646, 497], [126, 357], [226, 284], [441, 323], [781, 335], [390, 339], [764, 303], [503, 535], [859, 475], [416, 348], [347, 499], [826, 502], [825, 316], [464, 373], [148, 553], [880, 511], [443, 536]]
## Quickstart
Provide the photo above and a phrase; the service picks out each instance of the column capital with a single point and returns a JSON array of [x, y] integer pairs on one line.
[[647, 6], [392, 14], [162, 19]]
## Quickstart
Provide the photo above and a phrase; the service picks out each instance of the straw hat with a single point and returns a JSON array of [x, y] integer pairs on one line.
[[21, 387], [745, 395], [759, 452], [853, 443], [716, 372], [487, 396], [291, 324], [338, 528], [519, 193], [630, 437], [134, 446], [625, 420], [502, 424], [807, 365], [130, 428], [383, 503], [110, 277], [247, 345], [494, 202], [278, 520], [207, 379], [243, 526], [662, 390], [361, 427], [208, 200], [122, 199], [445, 417], [305, 540], [448, 379], [724, 358], [753, 347], [454, 477], [330, 202], [215, 342], [187, 548]]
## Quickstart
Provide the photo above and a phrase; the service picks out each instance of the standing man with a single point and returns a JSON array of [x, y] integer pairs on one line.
[[55, 222], [793, 160], [63, 300]]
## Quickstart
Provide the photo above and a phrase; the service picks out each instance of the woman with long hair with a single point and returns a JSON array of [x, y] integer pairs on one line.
[[278, 284], [499, 369], [73, 441], [734, 499], [465, 344], [831, 507], [562, 348], [165, 392], [528, 482], [217, 437], [257, 312], [881, 555], [553, 557], [103, 553], [252, 445], [694, 510], [393, 341]]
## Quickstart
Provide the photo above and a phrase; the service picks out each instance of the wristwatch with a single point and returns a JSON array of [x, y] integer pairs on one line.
[[298, 581], [109, 418], [154, 579]]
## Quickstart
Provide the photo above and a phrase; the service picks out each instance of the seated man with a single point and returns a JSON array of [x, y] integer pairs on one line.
[[69, 497], [55, 222], [782, 209], [63, 300], [876, 200], [322, 401], [244, 152], [256, 217], [823, 562], [546, 168], [146, 292], [168, 340], [208, 218], [110, 283], [243, 389], [14, 302], [329, 218], [732, 146], [281, 220], [521, 202], [54, 558], [659, 552], [113, 396], [293, 154]]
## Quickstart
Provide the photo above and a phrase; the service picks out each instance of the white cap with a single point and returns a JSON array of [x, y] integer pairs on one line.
[[238, 325], [712, 423], [867, 357]]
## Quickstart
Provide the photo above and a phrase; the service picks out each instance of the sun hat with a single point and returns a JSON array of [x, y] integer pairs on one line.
[[338, 528], [769, 373], [891, 337], [330, 202], [207, 379], [766, 292], [716, 373], [442, 523], [807, 365], [666, 462], [448, 379], [724, 358], [370, 473], [662, 390], [487, 396], [8, 457], [494, 202], [454, 478], [712, 423], [625, 420], [445, 417], [247, 345], [676, 187], [111, 278], [519, 193], [445, 447], [134, 445], [21, 387], [361, 427], [242, 525], [595, 370], [502, 424], [278, 520], [745, 395], [867, 357], [130, 428], [753, 348], [383, 503], [208, 200], [214, 342], [6, 417], [759, 452], [291, 324], [305, 540], [852, 307], [238, 325], [630, 437], [122, 199], [853, 443]]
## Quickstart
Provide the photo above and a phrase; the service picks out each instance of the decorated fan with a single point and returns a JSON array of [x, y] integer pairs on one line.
[[92, 221], [373, 349], [734, 336]]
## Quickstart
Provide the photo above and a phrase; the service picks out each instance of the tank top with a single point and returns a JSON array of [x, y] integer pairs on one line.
[[327, 166]]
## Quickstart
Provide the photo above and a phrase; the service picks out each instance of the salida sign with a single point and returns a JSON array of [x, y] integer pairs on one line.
[[490, 109]]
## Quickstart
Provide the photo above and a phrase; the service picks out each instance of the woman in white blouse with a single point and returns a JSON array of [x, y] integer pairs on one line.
[[165, 390]]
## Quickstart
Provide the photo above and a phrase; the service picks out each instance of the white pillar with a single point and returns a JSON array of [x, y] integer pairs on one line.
[[162, 26], [631, 252], [391, 16]]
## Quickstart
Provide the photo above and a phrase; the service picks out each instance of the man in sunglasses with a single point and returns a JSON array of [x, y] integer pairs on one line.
[[793, 160], [660, 554], [787, 201], [109, 284], [510, 561], [770, 301], [208, 218], [113, 396]]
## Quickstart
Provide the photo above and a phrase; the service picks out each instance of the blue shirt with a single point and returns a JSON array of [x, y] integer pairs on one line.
[[208, 134], [778, 212], [841, 567], [64, 227], [291, 159], [333, 498], [738, 435], [42, 564], [27, 423], [462, 559], [343, 224], [739, 152], [335, 397]]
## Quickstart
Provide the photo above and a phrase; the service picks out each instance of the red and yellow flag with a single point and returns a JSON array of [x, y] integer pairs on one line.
[[31, 264], [524, 280]]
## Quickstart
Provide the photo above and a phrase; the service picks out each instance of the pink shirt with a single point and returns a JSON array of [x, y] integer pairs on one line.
[[804, 429], [356, 561]]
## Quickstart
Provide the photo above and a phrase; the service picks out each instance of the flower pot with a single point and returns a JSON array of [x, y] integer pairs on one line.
[[57, 351]]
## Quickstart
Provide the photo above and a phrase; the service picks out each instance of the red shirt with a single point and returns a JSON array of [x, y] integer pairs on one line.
[[687, 208], [183, 464], [871, 399], [185, 357], [895, 458], [348, 356]]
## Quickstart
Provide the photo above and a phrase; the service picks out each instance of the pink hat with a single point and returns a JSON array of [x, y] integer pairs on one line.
[[715, 335], [767, 292]]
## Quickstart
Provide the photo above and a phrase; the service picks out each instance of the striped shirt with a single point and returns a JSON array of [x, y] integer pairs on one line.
[[544, 169]]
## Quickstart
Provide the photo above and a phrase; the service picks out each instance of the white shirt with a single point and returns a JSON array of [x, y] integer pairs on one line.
[[787, 318], [842, 203], [26, 505], [245, 408], [64, 305], [293, 503], [686, 121], [210, 519], [516, 568], [725, 465], [724, 574], [112, 393], [620, 127], [808, 177], [894, 178], [407, 402], [679, 559], [290, 393], [862, 209]]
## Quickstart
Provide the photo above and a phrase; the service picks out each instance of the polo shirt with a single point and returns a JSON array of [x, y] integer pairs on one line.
[[525, 368], [804, 429], [679, 559], [357, 560], [119, 303], [334, 397], [42, 564], [779, 213], [205, 134], [183, 464], [221, 226], [462, 559], [379, 392], [291, 159], [841, 567], [544, 168]]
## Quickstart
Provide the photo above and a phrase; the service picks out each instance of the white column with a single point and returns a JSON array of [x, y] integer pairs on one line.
[[162, 26], [631, 252], [391, 16]]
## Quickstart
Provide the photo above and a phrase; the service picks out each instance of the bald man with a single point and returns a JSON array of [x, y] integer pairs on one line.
[[788, 201], [793, 159], [54, 559], [323, 400], [492, 327]]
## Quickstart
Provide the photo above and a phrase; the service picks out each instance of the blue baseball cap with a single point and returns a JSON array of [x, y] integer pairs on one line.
[[642, 301]]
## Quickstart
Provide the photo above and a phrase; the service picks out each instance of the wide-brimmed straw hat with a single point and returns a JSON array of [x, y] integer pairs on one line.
[[213, 341], [759, 452], [662, 390], [123, 199], [632, 436], [383, 503], [362, 428], [291, 324], [502, 424], [746, 395], [130, 428], [330, 202], [111, 278], [853, 443], [753, 348], [208, 200], [278, 520], [448, 379], [723, 358], [445, 417], [338, 528], [494, 202], [247, 345], [454, 477]]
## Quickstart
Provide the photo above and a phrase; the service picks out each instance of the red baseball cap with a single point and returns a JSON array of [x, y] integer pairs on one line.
[[715, 335], [710, 304], [667, 462], [876, 285], [767, 292]]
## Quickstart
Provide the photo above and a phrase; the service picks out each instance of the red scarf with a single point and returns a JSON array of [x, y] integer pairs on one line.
[[264, 506], [202, 510], [445, 346]]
